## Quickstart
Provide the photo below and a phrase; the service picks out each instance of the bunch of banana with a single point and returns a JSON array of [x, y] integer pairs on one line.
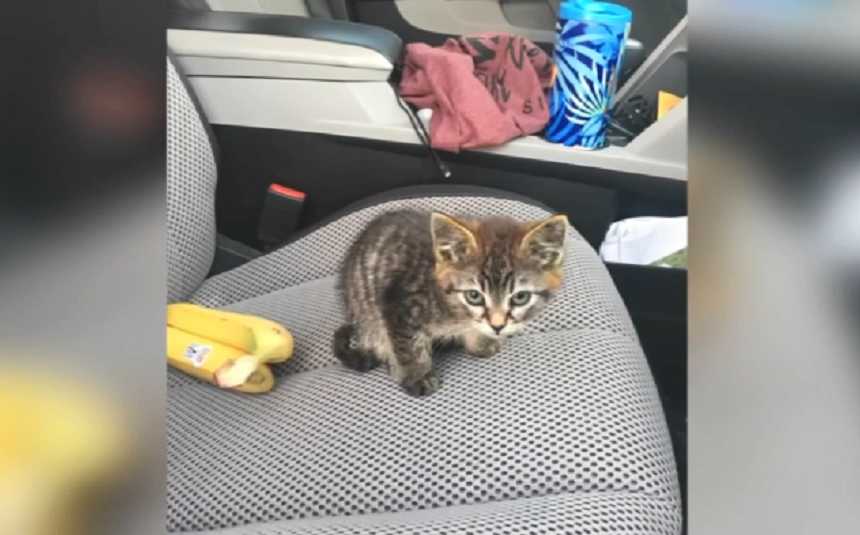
[[226, 348]]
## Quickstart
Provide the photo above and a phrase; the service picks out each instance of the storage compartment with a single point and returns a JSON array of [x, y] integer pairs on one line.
[[664, 70]]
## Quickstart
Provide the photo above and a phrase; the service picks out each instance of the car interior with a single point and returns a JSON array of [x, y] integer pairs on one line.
[[286, 135]]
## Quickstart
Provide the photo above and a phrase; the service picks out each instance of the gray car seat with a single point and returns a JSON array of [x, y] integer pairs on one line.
[[563, 432]]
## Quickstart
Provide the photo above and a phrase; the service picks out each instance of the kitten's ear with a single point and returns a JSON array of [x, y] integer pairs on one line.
[[453, 241], [544, 241]]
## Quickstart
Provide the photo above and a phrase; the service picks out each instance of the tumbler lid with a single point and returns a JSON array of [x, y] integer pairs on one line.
[[594, 11]]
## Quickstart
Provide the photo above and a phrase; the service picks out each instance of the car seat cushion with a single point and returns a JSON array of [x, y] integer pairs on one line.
[[572, 411], [566, 414], [619, 513]]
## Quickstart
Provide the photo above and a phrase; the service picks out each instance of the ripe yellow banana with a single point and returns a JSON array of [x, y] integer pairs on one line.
[[273, 342], [259, 380], [212, 324], [199, 356], [226, 348]]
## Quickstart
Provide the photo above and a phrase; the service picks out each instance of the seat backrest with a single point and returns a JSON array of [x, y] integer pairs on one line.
[[191, 179]]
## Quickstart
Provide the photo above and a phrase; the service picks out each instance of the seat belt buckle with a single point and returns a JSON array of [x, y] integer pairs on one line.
[[279, 218]]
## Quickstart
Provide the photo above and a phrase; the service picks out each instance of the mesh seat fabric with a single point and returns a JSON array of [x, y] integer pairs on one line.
[[575, 514], [557, 413], [191, 179]]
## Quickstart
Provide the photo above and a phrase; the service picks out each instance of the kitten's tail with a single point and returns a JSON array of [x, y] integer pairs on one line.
[[346, 350]]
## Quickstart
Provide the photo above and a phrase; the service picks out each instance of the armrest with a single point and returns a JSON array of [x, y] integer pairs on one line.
[[377, 39]]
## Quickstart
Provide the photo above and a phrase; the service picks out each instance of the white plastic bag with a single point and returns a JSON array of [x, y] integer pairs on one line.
[[644, 240]]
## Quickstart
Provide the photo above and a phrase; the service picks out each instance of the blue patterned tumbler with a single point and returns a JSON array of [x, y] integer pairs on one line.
[[590, 41]]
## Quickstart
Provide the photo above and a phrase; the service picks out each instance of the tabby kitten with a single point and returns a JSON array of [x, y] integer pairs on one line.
[[413, 279]]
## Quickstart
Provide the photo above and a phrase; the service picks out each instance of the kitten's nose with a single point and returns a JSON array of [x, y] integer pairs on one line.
[[497, 322]]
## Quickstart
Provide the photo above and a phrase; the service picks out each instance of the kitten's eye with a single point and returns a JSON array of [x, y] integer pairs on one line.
[[521, 298], [474, 297]]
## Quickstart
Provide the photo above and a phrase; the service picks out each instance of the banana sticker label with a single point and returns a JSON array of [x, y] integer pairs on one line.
[[197, 354]]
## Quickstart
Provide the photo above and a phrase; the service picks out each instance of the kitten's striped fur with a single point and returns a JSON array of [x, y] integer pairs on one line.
[[413, 279]]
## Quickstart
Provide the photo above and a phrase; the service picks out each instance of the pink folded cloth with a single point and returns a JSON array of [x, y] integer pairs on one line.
[[484, 89]]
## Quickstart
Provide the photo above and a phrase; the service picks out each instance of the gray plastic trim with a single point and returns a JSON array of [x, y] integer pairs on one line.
[[675, 42], [370, 110], [461, 17], [666, 139], [275, 7], [212, 53]]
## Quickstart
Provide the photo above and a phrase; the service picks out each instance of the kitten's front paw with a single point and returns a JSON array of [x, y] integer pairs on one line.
[[484, 347], [422, 387]]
